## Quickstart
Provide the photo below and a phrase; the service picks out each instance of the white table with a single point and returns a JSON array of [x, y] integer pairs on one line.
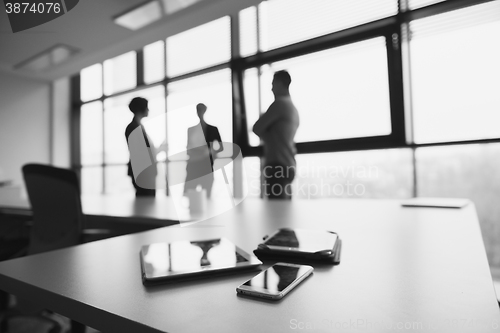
[[424, 267]]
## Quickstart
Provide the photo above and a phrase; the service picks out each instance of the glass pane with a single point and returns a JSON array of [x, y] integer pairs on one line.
[[154, 62], [120, 73], [413, 4], [251, 88], [248, 31], [469, 171], [339, 93], [201, 47], [155, 124], [91, 180], [91, 82], [456, 75], [360, 174], [117, 180], [117, 116], [213, 90], [91, 143], [284, 22]]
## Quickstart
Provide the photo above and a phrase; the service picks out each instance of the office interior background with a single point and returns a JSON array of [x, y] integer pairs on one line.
[[396, 98]]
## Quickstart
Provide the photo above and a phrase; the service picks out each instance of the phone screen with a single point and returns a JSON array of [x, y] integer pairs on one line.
[[276, 278]]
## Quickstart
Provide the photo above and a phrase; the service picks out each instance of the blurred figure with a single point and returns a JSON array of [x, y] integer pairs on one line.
[[204, 142], [139, 107], [277, 128]]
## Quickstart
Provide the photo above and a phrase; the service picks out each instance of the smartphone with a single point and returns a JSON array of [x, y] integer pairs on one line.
[[276, 281], [302, 240]]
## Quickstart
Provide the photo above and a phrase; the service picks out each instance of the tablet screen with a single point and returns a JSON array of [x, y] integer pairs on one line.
[[188, 257]]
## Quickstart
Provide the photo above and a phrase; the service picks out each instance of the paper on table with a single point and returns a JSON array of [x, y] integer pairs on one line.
[[436, 202]]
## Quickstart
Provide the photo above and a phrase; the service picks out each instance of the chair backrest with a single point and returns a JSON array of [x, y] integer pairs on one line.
[[54, 195]]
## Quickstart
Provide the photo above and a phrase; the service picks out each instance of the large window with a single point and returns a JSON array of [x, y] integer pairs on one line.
[[201, 47], [91, 147], [91, 83], [154, 62], [466, 171], [104, 151], [120, 73], [117, 116], [248, 31], [372, 174], [340, 93], [213, 90], [91, 134], [456, 75]]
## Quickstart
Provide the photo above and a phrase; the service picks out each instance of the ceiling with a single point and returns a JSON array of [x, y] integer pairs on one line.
[[89, 28]]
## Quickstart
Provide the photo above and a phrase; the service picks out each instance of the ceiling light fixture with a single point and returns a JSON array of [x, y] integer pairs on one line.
[[172, 6], [44, 60], [149, 12], [140, 16]]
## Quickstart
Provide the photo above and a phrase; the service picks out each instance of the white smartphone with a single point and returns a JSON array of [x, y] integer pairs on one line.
[[276, 281]]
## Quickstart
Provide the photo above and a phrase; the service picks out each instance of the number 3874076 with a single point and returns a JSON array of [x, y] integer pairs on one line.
[[36, 8]]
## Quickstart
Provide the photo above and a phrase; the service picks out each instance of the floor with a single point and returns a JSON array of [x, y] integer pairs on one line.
[[12, 228], [34, 324]]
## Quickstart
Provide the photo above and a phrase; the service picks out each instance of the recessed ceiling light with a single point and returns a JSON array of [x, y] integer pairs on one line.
[[49, 58], [140, 16], [149, 12]]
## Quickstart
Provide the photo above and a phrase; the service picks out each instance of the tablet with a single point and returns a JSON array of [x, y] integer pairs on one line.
[[187, 259]]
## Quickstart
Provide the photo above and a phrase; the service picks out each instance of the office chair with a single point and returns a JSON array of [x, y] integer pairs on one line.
[[58, 220]]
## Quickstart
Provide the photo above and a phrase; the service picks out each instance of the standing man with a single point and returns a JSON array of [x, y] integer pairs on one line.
[[277, 128], [204, 142], [139, 107]]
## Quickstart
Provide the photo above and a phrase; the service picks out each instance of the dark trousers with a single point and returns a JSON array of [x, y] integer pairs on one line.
[[199, 173], [278, 181], [142, 192]]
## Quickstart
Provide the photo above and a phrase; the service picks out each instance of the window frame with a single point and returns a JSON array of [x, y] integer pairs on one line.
[[381, 28]]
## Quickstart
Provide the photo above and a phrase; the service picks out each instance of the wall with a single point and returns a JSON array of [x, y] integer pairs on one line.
[[60, 153], [24, 124]]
